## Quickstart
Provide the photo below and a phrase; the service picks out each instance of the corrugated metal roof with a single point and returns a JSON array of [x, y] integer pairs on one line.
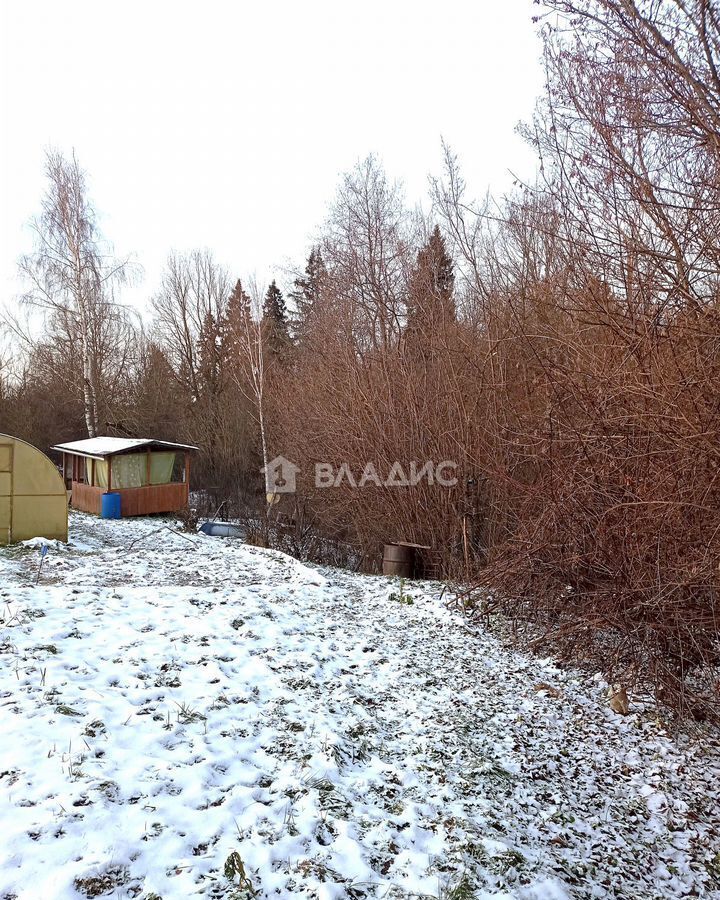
[[100, 447]]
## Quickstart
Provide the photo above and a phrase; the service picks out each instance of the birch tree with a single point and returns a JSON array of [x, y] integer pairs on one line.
[[72, 276]]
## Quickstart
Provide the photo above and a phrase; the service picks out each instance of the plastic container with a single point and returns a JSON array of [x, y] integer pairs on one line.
[[221, 529], [110, 506]]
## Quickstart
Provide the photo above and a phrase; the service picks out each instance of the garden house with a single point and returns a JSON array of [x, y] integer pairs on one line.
[[147, 475]]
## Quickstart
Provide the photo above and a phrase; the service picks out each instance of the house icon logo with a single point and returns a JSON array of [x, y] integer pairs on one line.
[[280, 475]]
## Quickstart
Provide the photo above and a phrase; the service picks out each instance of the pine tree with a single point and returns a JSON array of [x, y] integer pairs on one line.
[[430, 301], [306, 296]]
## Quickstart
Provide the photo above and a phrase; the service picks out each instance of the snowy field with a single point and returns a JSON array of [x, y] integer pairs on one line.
[[189, 716]]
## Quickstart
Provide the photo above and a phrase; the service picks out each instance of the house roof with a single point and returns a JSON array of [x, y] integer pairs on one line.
[[100, 447]]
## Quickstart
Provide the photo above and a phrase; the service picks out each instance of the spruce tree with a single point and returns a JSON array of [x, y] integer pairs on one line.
[[238, 318], [275, 326], [430, 300], [208, 348], [306, 296], [238, 306]]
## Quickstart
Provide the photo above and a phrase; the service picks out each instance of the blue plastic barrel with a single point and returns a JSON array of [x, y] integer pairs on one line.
[[110, 506]]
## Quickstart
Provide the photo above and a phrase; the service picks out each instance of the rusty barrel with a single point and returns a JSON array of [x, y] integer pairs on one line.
[[398, 561]]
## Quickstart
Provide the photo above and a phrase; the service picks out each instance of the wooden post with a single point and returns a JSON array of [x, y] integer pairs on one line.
[[465, 547], [109, 462], [147, 468], [92, 473], [186, 470]]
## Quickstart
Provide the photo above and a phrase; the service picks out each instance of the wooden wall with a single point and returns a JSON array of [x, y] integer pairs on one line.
[[142, 501]]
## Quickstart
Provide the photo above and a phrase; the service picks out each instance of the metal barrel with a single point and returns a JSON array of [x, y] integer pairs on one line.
[[398, 561]]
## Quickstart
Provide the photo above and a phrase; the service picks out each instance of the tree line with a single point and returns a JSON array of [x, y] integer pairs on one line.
[[560, 345]]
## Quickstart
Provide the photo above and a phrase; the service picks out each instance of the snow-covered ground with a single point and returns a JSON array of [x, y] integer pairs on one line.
[[176, 711]]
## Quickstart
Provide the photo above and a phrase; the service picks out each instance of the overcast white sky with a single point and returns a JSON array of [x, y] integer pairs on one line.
[[227, 124]]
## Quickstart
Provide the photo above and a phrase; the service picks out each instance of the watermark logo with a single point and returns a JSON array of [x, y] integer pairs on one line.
[[443, 473], [281, 475]]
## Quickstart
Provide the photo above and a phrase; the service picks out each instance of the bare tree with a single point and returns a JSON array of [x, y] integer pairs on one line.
[[629, 139], [194, 291], [73, 275], [368, 250], [249, 374]]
